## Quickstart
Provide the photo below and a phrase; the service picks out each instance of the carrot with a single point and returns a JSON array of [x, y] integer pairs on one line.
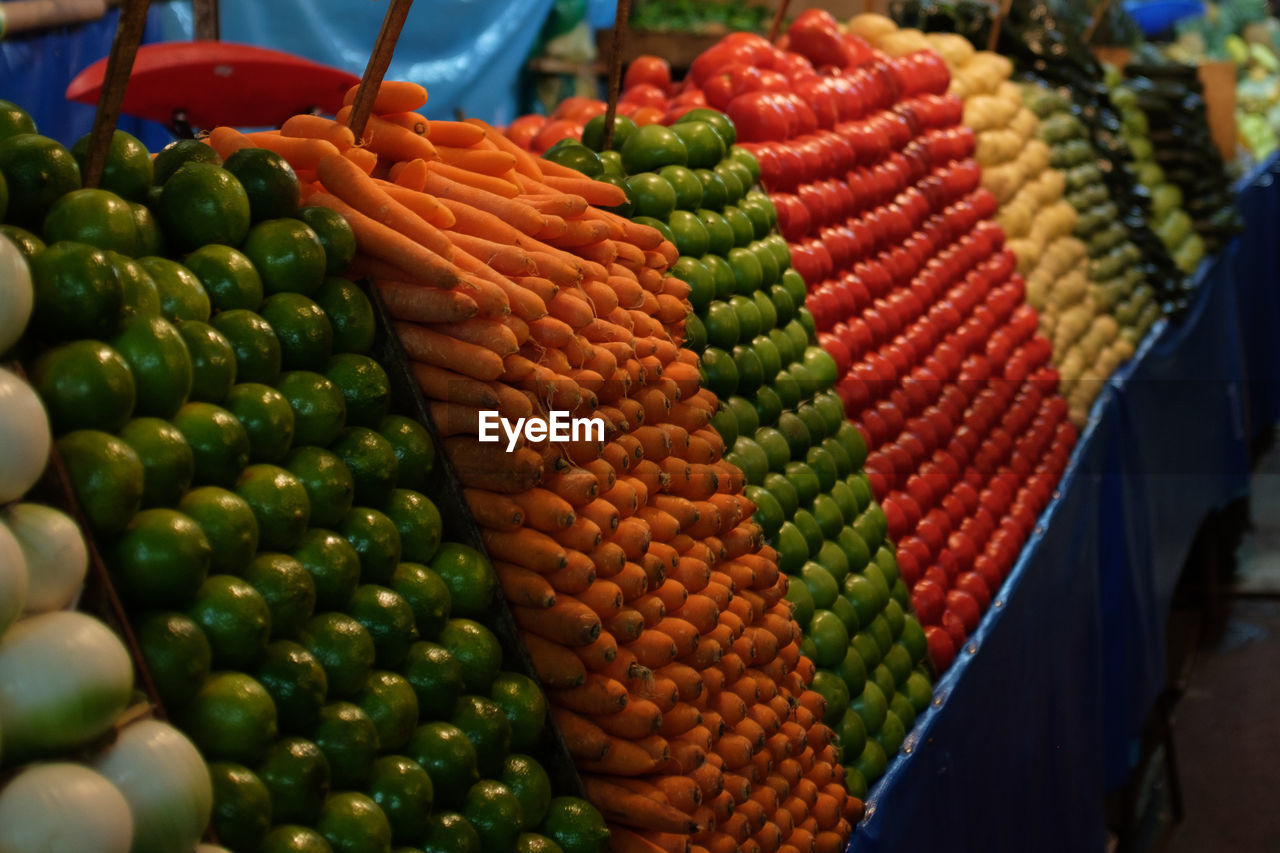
[[624, 758], [306, 126], [597, 193], [524, 587], [627, 625], [623, 840], [227, 141], [498, 512], [633, 581], [525, 547], [600, 653], [574, 578], [568, 622], [490, 334], [345, 180], [410, 174], [425, 205], [488, 466], [576, 485], [460, 134], [555, 204], [300, 153], [598, 695], [504, 259], [454, 418], [513, 211], [498, 186], [627, 807], [477, 160], [526, 163], [388, 244], [363, 158], [586, 741], [433, 348], [653, 648], [413, 302], [408, 120], [394, 96], [554, 664], [582, 535]]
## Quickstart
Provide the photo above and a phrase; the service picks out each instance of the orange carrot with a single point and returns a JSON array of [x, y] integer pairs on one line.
[[546, 510], [421, 203], [477, 160], [394, 142], [227, 141], [597, 695], [457, 133], [576, 485], [436, 349], [524, 587], [394, 96], [513, 211], [586, 741], [441, 384], [501, 258], [524, 547], [498, 512], [600, 653], [526, 163], [637, 719], [498, 186], [410, 174], [597, 193], [568, 622], [408, 120], [347, 182], [300, 153], [489, 466], [416, 303], [624, 758], [620, 805], [306, 126]]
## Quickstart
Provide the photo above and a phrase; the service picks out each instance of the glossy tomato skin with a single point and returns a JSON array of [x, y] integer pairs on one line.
[[954, 625], [929, 600], [942, 649]]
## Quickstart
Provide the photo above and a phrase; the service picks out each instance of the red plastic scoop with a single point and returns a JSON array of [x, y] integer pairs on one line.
[[218, 83]]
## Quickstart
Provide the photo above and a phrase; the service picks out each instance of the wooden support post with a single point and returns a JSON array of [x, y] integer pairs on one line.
[[133, 20], [385, 46]]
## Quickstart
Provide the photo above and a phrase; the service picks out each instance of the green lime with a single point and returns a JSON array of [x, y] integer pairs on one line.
[[830, 638], [450, 832], [319, 410], [150, 239], [576, 826], [296, 773], [405, 793], [390, 702], [349, 740], [336, 236], [227, 523], [419, 523], [793, 549], [853, 736], [375, 539], [715, 194], [573, 154], [892, 733], [96, 217], [389, 620], [128, 169], [748, 275], [768, 404], [84, 384], [38, 172], [236, 619], [218, 441], [525, 706], [494, 810], [801, 599], [28, 244], [227, 276], [327, 480], [182, 296], [768, 512], [476, 648], [350, 312], [822, 587], [449, 758], [160, 560], [720, 237], [719, 372], [203, 203], [703, 142], [177, 655], [303, 329], [436, 676], [593, 132], [702, 288], [657, 224], [279, 502], [296, 682], [175, 155], [912, 637], [288, 254], [333, 564], [364, 386], [343, 647], [241, 806], [14, 120], [270, 182], [853, 670], [687, 187], [832, 688], [695, 334], [213, 362], [286, 587], [167, 461], [160, 363], [291, 838], [531, 786], [232, 718], [414, 450], [470, 578], [532, 842], [254, 343], [266, 417], [901, 707], [353, 823], [720, 122], [691, 235], [652, 147], [77, 293]]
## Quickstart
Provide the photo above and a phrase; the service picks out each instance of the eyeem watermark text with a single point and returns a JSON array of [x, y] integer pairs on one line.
[[557, 426]]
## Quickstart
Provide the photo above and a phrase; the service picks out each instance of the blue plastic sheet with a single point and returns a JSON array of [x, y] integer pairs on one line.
[[36, 68], [468, 53], [1039, 716]]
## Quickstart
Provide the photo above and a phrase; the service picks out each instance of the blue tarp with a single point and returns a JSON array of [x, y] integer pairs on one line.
[[468, 53], [1038, 719]]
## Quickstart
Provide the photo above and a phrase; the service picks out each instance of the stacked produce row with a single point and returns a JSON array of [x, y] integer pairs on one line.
[[72, 735], [260, 511], [641, 586], [785, 427], [1169, 219], [1170, 95]]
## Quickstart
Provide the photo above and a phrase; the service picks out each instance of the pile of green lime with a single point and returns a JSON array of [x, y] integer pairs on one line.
[[781, 422], [260, 509]]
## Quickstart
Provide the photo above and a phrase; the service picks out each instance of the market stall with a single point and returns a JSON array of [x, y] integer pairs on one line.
[[788, 457]]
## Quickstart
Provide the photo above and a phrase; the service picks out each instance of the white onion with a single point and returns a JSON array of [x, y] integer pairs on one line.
[[15, 581], [64, 679], [16, 294], [24, 437], [54, 549], [63, 808], [166, 783]]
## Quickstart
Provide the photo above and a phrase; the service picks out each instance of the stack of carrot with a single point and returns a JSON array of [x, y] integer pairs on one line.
[[653, 613]]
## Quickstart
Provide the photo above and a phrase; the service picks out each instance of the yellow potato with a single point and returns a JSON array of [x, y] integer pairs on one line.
[[871, 26]]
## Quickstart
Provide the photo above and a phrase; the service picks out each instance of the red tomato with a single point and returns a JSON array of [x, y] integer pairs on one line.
[[758, 116], [895, 515], [974, 584], [955, 628], [653, 70], [647, 115], [555, 130], [936, 574], [965, 606], [929, 600], [908, 567], [942, 649], [916, 548], [523, 130], [989, 570]]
